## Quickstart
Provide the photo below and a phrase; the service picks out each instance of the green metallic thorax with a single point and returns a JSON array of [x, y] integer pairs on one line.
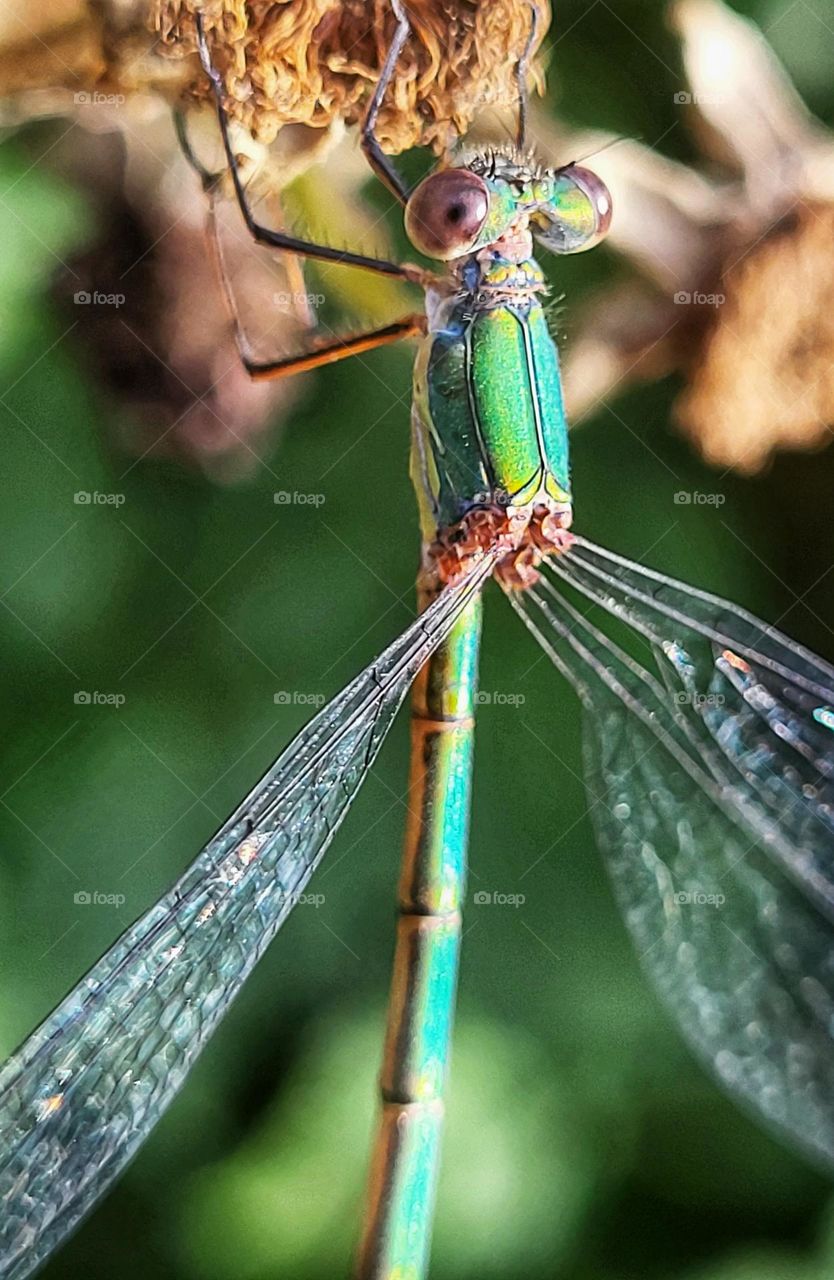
[[489, 423]]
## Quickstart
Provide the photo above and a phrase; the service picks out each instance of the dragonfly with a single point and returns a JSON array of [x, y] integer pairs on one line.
[[709, 756]]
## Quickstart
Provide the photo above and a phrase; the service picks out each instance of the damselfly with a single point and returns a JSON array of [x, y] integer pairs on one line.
[[709, 757]]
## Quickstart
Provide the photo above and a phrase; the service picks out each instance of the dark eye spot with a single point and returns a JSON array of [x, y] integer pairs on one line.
[[446, 212]]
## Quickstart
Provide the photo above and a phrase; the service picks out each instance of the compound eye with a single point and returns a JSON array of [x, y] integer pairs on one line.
[[445, 214], [579, 214], [598, 196]]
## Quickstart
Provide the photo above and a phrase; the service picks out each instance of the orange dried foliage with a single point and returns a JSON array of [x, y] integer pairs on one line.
[[764, 378], [314, 61]]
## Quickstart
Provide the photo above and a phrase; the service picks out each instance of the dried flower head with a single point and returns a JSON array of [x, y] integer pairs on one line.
[[766, 370], [316, 61], [736, 269]]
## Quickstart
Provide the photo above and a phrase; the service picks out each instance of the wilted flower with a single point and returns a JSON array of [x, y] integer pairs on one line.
[[737, 272], [315, 61]]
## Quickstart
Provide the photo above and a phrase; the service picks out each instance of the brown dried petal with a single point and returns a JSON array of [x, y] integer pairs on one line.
[[313, 61], [765, 378], [746, 111], [624, 334], [51, 46]]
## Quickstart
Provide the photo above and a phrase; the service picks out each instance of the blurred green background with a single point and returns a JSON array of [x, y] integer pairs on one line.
[[582, 1138]]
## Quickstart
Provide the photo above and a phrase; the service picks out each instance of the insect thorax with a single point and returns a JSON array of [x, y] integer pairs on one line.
[[489, 434]]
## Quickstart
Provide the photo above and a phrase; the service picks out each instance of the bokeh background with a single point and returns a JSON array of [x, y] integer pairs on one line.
[[583, 1140]]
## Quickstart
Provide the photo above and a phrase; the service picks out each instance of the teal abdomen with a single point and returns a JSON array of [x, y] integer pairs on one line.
[[489, 417]]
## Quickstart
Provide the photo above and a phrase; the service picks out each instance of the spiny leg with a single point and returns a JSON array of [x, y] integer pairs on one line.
[[320, 350], [267, 235], [210, 181], [337, 349], [382, 166]]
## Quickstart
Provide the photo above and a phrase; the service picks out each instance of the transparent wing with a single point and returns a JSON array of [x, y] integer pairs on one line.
[[759, 702], [709, 763], [85, 1089]]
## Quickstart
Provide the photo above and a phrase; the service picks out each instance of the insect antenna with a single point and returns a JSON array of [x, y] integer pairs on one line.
[[521, 78], [597, 151]]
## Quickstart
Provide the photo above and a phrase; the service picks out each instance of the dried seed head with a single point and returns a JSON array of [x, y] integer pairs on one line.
[[736, 260], [764, 377], [316, 61]]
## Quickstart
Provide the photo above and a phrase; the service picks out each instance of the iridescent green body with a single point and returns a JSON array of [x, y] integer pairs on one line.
[[421, 1008], [488, 431], [488, 422]]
